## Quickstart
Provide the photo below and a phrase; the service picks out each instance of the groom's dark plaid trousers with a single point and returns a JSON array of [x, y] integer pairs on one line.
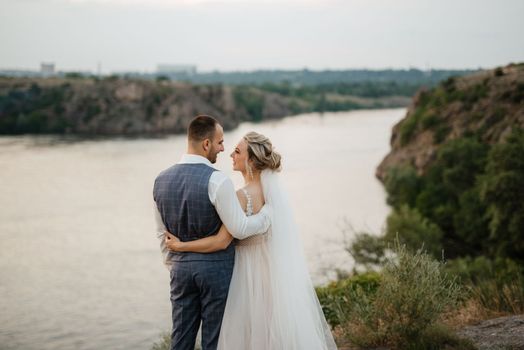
[[199, 282]]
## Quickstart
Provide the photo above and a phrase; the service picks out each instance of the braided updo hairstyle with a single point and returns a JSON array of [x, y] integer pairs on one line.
[[260, 151]]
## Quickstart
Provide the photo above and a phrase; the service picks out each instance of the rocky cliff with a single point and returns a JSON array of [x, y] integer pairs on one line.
[[120, 106], [110, 106], [486, 104]]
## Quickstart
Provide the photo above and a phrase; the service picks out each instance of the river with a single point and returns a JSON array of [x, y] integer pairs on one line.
[[80, 266]]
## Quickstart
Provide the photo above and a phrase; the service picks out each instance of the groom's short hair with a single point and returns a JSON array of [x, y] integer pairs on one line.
[[202, 127]]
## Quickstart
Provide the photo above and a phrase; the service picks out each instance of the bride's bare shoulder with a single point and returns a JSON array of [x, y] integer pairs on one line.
[[242, 198], [257, 195]]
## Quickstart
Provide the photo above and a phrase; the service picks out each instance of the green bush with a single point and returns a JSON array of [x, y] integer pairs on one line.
[[442, 197], [412, 295], [367, 250], [495, 295], [414, 230], [164, 343], [252, 101], [410, 125], [74, 75], [402, 185], [441, 132], [497, 285], [34, 110], [429, 121], [502, 192], [472, 203], [469, 202], [339, 296]]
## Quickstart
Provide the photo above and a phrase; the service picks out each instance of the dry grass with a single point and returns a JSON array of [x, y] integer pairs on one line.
[[470, 312]]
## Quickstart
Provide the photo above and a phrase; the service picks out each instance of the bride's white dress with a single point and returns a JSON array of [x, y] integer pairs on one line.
[[272, 304], [247, 314]]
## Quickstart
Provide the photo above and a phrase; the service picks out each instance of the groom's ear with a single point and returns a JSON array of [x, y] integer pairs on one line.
[[206, 144]]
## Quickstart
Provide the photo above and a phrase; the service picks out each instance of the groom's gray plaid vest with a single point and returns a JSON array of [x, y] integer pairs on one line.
[[182, 197]]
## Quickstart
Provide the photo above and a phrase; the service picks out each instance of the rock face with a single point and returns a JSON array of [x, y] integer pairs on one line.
[[124, 106], [486, 104], [499, 333]]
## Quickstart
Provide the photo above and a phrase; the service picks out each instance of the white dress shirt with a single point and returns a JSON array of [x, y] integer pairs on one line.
[[223, 196]]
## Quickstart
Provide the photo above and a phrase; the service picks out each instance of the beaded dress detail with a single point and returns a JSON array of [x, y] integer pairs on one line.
[[257, 239]]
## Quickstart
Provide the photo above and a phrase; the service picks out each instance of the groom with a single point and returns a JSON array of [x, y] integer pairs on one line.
[[193, 200]]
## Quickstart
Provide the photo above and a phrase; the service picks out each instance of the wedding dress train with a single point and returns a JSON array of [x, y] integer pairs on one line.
[[272, 304]]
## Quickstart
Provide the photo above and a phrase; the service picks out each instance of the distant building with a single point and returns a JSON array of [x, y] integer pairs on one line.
[[176, 69], [47, 69]]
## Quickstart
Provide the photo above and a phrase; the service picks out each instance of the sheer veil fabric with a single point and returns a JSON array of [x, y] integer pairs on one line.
[[296, 318]]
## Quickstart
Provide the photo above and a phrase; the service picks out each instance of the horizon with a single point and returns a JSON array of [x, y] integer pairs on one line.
[[152, 72]]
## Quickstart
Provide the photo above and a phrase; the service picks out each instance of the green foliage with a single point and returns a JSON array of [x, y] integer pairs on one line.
[[318, 98], [472, 194], [74, 75], [339, 296], [34, 110], [441, 132], [470, 201], [429, 106], [411, 296], [423, 119], [470, 223], [498, 296], [414, 293], [414, 231], [430, 121], [161, 78], [472, 94], [251, 100], [410, 125], [438, 336], [402, 185], [458, 163], [496, 116], [368, 89], [497, 285], [449, 84], [367, 250], [514, 94], [112, 77], [442, 197], [502, 191], [404, 224], [471, 270], [164, 343]]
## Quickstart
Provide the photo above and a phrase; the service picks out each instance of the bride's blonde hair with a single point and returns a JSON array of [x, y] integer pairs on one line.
[[261, 152]]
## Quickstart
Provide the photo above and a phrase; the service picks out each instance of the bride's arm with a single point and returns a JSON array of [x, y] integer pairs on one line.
[[210, 244]]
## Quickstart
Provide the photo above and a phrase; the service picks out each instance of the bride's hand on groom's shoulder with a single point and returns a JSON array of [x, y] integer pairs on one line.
[[172, 242]]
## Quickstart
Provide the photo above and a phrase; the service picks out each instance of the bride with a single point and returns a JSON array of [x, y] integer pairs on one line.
[[271, 303]]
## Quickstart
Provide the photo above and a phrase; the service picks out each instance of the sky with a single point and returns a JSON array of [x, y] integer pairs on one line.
[[235, 35]]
